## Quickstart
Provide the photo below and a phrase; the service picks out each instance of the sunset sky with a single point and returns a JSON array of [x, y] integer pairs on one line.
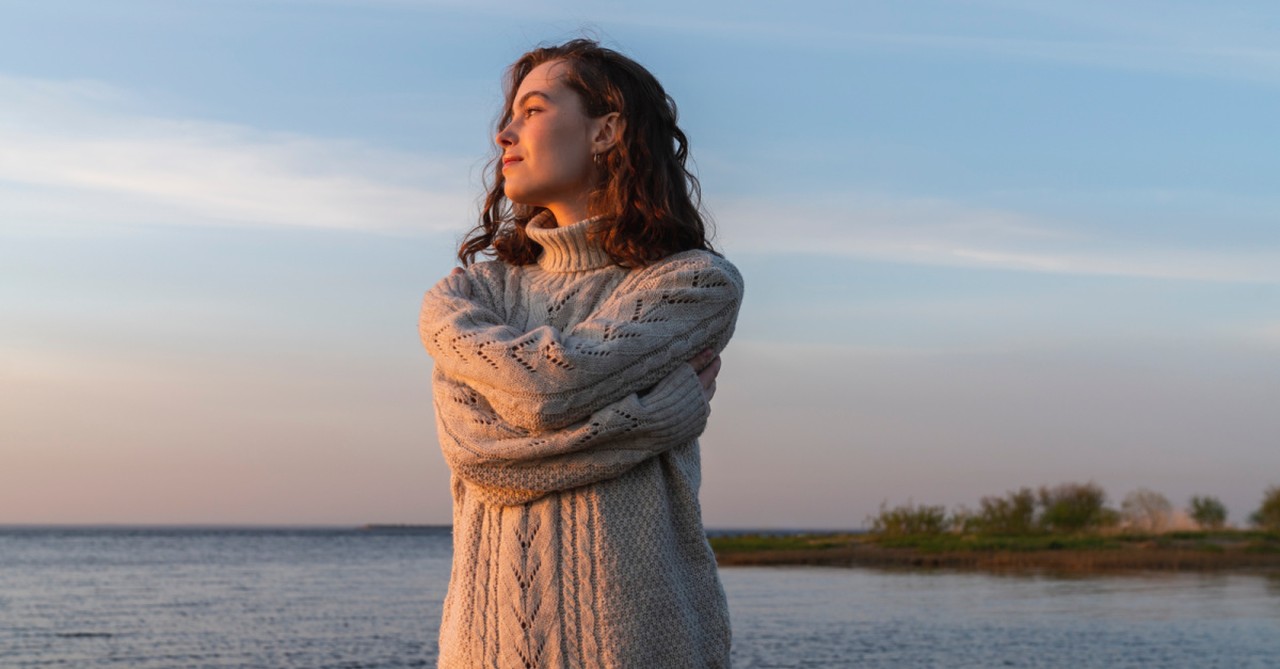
[[987, 244]]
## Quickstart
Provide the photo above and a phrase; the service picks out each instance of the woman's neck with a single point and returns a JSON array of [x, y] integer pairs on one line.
[[568, 213]]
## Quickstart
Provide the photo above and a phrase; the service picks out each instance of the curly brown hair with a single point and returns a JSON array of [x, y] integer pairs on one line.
[[645, 191]]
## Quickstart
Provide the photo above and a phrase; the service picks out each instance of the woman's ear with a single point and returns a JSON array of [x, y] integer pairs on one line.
[[607, 132]]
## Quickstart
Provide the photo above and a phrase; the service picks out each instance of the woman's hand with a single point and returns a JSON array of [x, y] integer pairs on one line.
[[707, 365]]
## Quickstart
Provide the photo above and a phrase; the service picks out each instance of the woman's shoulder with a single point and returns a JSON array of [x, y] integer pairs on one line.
[[695, 268], [490, 272]]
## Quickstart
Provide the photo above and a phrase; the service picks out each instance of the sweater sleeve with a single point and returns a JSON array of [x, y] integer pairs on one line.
[[510, 465], [656, 320]]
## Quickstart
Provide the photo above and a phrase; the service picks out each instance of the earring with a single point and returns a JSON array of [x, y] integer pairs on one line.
[[595, 158]]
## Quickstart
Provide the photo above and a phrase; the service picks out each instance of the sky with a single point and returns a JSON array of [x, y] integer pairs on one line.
[[987, 245]]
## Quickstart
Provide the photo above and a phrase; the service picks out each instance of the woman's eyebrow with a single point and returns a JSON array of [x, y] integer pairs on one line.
[[525, 98]]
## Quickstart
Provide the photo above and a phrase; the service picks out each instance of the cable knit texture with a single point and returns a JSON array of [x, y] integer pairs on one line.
[[569, 417]]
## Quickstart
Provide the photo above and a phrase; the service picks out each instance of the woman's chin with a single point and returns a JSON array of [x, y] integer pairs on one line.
[[517, 196]]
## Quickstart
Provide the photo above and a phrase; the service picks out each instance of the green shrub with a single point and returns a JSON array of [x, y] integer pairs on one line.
[[1208, 512], [1013, 514], [1075, 507], [907, 520], [1267, 517]]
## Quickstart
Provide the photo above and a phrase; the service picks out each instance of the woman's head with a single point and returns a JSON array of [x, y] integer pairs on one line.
[[584, 124], [551, 145]]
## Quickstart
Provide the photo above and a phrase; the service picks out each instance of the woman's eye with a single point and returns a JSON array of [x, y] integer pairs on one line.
[[530, 111]]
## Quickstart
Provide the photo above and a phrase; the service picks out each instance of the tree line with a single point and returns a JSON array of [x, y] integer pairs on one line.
[[1066, 508]]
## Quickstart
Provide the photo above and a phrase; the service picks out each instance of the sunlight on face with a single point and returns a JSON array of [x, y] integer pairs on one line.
[[547, 147]]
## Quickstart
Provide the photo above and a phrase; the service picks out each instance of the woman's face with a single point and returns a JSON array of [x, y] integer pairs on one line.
[[548, 146]]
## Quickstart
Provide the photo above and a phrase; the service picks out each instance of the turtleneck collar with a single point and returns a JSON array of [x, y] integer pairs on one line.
[[568, 248]]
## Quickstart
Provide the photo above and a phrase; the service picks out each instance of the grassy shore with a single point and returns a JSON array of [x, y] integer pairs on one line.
[[1192, 551]]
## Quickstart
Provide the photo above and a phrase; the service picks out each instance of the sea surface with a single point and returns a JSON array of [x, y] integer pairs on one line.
[[149, 598]]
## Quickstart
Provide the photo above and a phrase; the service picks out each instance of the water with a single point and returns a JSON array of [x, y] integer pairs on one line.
[[247, 598], [349, 599], [812, 617]]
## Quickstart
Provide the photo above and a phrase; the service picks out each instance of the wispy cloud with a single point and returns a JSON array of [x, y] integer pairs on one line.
[[1184, 39], [85, 152], [1259, 65], [943, 233], [1188, 39]]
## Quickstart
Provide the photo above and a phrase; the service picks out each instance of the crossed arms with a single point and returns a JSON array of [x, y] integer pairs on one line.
[[522, 414]]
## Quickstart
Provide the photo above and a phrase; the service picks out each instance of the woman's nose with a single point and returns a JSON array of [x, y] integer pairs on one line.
[[505, 137]]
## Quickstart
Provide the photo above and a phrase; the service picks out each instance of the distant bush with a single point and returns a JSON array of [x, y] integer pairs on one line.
[[1147, 510], [1075, 507], [908, 520], [1208, 512], [1267, 516], [1013, 514]]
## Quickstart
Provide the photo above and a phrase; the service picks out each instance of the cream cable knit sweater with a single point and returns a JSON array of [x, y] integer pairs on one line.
[[569, 417]]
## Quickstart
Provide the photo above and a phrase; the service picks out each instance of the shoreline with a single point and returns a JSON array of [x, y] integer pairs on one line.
[[1219, 551]]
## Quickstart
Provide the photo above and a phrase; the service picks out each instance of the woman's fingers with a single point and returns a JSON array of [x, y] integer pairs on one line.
[[703, 359], [707, 377], [456, 270], [707, 365], [708, 373]]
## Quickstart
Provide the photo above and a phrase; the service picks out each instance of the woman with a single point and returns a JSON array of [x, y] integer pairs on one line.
[[573, 376]]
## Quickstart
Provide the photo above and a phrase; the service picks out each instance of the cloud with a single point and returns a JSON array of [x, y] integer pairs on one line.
[[1184, 39], [85, 152], [1187, 40], [953, 234]]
